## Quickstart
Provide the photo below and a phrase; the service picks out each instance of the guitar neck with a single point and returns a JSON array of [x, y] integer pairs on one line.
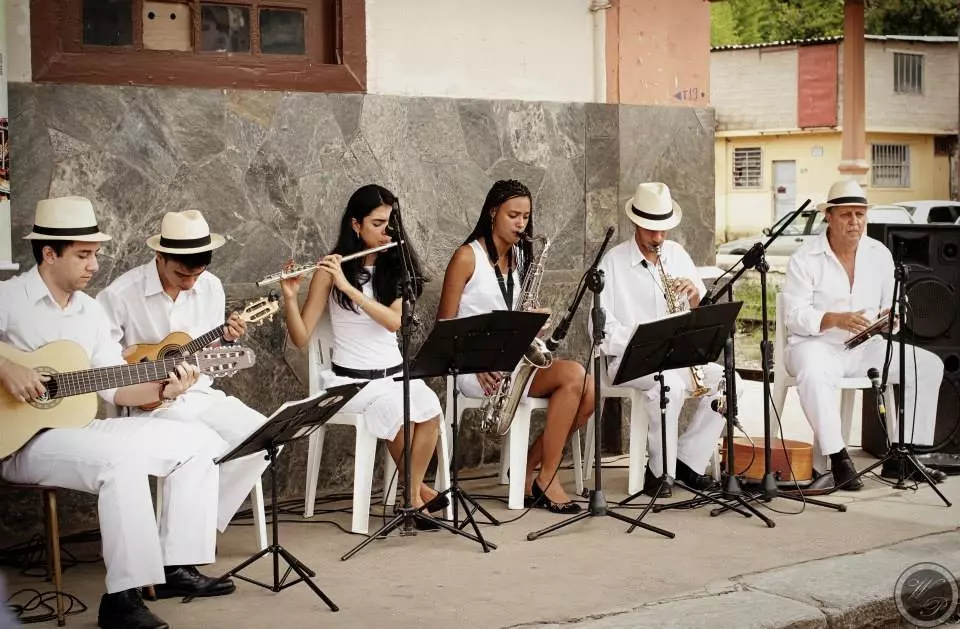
[[71, 383], [200, 342]]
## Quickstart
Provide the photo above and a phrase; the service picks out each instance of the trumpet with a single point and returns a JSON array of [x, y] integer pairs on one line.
[[308, 268]]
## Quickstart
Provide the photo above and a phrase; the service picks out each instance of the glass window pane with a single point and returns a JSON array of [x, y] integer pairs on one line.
[[224, 28], [107, 22], [281, 32]]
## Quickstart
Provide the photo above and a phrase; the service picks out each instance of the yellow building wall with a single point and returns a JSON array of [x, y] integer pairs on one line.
[[742, 212], [924, 181], [746, 212]]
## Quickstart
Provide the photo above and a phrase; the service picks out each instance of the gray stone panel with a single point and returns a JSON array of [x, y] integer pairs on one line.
[[272, 171]]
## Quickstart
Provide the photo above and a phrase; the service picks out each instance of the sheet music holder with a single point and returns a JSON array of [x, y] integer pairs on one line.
[[679, 341], [288, 423], [491, 342]]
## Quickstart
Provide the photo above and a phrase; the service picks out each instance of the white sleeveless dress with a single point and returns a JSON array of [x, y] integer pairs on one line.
[[359, 342], [481, 295]]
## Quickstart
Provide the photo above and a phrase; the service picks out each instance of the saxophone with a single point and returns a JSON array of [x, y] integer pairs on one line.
[[677, 302], [499, 408]]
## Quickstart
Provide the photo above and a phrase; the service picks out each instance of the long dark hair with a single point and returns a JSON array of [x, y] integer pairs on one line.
[[388, 272], [501, 192]]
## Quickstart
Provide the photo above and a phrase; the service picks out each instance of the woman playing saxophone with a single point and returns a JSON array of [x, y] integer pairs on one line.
[[486, 274]]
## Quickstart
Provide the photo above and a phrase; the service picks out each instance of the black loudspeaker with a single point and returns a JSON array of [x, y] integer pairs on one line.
[[932, 256]]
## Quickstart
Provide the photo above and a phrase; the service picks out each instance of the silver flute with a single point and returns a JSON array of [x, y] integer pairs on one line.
[[307, 268]]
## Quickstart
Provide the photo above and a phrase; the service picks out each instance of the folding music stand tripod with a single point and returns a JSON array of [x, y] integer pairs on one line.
[[288, 423], [677, 342], [491, 342]]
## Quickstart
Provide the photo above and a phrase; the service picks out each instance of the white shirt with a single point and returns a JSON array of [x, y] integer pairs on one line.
[[359, 342], [30, 318], [633, 293], [817, 283], [141, 312]]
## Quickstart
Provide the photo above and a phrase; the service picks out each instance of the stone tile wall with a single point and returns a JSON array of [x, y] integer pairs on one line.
[[272, 172]]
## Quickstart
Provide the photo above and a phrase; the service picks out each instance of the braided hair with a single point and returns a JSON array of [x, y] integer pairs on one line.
[[501, 192]]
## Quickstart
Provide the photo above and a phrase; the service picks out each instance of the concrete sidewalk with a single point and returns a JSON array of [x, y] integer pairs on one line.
[[840, 591], [816, 568]]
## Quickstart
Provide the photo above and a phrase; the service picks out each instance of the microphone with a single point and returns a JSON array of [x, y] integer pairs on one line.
[[645, 264], [874, 376]]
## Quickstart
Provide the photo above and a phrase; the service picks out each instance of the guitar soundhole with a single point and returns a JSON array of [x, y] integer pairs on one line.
[[170, 351], [49, 398]]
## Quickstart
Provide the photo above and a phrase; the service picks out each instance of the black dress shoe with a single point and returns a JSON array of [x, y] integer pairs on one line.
[[691, 479], [890, 470], [844, 473], [651, 482], [540, 500], [125, 610], [187, 581], [437, 503]]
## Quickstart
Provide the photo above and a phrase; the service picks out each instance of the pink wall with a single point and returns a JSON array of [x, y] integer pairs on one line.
[[658, 52]]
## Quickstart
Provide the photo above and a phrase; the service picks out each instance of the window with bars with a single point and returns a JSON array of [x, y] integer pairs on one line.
[[747, 168], [891, 165], [306, 45], [907, 73]]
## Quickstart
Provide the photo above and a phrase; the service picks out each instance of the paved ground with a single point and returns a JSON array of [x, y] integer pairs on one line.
[[815, 565]]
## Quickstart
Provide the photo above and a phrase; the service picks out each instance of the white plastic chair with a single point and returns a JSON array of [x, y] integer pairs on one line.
[[256, 494], [848, 386], [639, 424], [513, 448], [320, 353]]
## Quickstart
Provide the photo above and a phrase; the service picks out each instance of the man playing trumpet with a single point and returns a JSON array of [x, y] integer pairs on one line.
[[835, 284]]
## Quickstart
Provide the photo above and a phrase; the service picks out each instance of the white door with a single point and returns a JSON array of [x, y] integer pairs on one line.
[[784, 187]]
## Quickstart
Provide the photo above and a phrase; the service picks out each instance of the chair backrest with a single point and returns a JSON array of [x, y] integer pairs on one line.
[[319, 352]]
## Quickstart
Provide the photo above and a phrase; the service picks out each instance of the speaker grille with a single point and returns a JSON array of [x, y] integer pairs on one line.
[[932, 308]]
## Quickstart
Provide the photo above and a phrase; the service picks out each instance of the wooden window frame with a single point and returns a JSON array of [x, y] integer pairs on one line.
[[58, 55]]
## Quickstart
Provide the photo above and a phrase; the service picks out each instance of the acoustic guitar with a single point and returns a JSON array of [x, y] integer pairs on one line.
[[70, 399], [180, 344]]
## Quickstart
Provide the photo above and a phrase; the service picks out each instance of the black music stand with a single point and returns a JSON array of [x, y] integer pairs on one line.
[[693, 338], [491, 342], [288, 423]]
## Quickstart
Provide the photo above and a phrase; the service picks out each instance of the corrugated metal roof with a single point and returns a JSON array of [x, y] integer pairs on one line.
[[812, 41]]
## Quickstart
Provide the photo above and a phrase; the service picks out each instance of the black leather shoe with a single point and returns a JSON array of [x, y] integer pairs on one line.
[[437, 503], [187, 580], [540, 500], [889, 471], [691, 479], [651, 482], [125, 610], [844, 473]]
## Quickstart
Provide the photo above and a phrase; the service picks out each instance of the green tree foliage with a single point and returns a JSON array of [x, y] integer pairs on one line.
[[912, 17], [755, 21]]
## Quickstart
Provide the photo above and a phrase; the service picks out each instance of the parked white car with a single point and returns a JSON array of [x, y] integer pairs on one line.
[[806, 226], [925, 212]]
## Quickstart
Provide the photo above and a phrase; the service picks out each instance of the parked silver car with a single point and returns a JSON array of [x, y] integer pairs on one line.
[[806, 226]]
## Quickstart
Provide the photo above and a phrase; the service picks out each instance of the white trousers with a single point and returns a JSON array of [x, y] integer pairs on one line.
[[818, 366], [699, 440], [233, 421], [113, 458]]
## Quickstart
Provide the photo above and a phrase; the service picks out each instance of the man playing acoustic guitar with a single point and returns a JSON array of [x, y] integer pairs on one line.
[[112, 458], [174, 292], [835, 285]]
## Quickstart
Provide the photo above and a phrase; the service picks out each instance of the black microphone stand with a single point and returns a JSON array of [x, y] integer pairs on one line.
[[593, 280], [900, 452], [731, 490], [407, 514], [756, 259]]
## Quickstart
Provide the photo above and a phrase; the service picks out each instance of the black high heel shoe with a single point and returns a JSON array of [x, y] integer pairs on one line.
[[540, 500]]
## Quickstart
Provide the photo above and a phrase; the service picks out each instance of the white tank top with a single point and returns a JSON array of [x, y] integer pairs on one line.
[[359, 342], [482, 291]]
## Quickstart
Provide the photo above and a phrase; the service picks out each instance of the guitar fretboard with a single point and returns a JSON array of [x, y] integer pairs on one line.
[[89, 380], [200, 342]]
